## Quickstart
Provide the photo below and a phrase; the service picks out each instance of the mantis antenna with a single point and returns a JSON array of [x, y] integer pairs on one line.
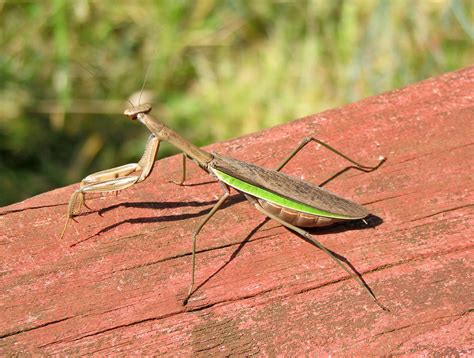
[[145, 79]]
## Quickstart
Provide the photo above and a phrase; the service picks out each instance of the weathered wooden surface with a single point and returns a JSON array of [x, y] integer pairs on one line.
[[115, 283]]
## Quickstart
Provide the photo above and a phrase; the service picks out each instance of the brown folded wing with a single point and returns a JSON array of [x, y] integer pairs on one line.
[[289, 187]]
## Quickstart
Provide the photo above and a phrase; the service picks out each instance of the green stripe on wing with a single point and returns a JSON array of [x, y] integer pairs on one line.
[[272, 197]]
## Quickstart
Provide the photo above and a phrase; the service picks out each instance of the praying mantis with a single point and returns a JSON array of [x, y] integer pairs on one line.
[[292, 202]]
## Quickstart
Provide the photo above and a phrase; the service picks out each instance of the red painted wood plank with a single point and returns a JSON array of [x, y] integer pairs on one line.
[[115, 283]]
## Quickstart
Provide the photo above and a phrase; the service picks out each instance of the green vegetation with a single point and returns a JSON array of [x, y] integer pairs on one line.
[[217, 69]]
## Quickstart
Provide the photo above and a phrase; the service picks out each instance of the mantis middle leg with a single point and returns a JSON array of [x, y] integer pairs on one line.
[[196, 232], [184, 171]]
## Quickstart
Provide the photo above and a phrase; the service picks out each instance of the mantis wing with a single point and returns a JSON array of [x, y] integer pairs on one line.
[[288, 187]]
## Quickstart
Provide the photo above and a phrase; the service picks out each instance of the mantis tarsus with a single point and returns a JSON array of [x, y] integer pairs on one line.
[[290, 201]]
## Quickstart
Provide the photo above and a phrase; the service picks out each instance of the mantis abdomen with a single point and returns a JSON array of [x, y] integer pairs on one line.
[[297, 218]]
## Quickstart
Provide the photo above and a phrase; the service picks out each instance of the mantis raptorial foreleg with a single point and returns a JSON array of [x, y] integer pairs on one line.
[[114, 179], [306, 140]]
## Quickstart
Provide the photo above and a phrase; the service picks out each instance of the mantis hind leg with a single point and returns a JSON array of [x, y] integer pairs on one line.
[[356, 165], [356, 276]]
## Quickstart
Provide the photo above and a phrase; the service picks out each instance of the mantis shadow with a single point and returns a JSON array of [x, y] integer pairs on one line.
[[369, 222], [232, 200], [155, 205], [196, 184]]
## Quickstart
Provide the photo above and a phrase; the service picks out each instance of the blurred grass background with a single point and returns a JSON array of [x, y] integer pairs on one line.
[[217, 69]]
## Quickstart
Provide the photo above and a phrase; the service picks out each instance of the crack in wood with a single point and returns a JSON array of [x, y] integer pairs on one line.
[[9, 334], [443, 211]]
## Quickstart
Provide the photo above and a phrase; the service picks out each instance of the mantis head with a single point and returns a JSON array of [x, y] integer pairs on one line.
[[134, 112]]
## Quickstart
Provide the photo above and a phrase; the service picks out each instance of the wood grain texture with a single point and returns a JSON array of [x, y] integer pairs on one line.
[[114, 284]]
